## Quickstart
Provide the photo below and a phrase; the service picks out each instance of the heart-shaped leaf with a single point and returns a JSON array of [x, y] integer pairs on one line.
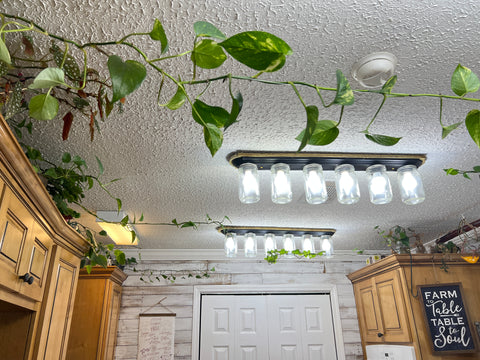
[[43, 107], [48, 78], [448, 129], [326, 131], [451, 171], [208, 54], [27, 41], [383, 139], [344, 94], [4, 53], [213, 138], [472, 122], [312, 119], [158, 34], [464, 81], [258, 50], [214, 115], [388, 86], [237, 104], [177, 100], [126, 76], [205, 29]]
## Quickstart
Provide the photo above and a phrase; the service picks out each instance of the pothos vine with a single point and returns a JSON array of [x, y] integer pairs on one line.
[[84, 91]]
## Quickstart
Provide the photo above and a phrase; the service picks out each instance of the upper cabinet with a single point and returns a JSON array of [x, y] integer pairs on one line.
[[39, 261], [389, 305]]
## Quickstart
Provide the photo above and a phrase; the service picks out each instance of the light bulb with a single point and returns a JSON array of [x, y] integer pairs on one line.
[[248, 189], [269, 243], [289, 244], [346, 183], [327, 245], [379, 186], [307, 243], [315, 189], [230, 245], [250, 245], [281, 187], [411, 185]]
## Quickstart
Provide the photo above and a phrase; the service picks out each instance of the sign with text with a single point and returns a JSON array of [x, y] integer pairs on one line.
[[156, 334], [446, 318]]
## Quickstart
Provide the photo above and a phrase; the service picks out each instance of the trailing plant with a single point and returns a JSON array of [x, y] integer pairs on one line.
[[273, 255], [39, 82], [172, 276], [397, 237]]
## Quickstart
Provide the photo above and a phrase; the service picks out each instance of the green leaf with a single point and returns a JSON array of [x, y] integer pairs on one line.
[[77, 160], [383, 139], [326, 131], [90, 182], [4, 53], [14, 102], [476, 169], [48, 78], [119, 204], [141, 218], [103, 233], [448, 129], [124, 221], [464, 81], [213, 138], [177, 100], [67, 63], [472, 122], [120, 257], [100, 166], [388, 86], [189, 224], [101, 260], [465, 175], [344, 94], [110, 247], [43, 107], [126, 76], [80, 103], [237, 104], [204, 28], [258, 50], [88, 268], [66, 157], [214, 115], [208, 54], [158, 34], [312, 119]]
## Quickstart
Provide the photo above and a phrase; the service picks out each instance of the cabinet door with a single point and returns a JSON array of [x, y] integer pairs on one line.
[[115, 294], [369, 315], [58, 306], [35, 259], [15, 224], [392, 307]]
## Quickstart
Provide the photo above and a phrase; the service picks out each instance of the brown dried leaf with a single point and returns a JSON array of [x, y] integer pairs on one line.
[[67, 124]]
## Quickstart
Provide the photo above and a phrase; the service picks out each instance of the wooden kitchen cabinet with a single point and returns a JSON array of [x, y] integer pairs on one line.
[[389, 307], [39, 261], [95, 314]]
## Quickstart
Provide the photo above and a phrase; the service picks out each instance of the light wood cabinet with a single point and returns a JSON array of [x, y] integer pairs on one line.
[[389, 307], [39, 261], [95, 315]]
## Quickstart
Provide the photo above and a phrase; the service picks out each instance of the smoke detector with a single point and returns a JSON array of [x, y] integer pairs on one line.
[[375, 69]]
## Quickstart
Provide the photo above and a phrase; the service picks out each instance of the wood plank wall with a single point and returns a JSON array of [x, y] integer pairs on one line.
[[138, 295]]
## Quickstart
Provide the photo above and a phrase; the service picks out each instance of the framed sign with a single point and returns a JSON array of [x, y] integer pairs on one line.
[[156, 337], [446, 318]]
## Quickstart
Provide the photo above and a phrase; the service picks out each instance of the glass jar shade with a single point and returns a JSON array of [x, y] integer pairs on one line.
[[269, 243], [289, 244], [346, 183], [230, 245], [308, 243], [315, 189], [250, 245], [281, 186], [410, 185], [327, 245], [248, 189], [379, 186]]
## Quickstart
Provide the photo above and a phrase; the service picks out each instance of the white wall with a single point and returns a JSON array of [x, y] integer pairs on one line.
[[138, 296]]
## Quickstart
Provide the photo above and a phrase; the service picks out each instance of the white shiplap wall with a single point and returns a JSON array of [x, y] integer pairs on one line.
[[138, 295]]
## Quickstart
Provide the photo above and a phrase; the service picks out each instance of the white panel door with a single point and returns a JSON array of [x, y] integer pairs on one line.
[[301, 327], [233, 327], [261, 327]]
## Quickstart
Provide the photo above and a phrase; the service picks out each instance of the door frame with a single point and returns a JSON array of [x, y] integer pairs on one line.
[[266, 289]]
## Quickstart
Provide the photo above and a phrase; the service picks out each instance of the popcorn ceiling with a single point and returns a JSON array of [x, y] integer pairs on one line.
[[167, 171]]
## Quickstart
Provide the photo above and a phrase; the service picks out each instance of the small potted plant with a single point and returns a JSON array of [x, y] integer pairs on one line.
[[397, 238]]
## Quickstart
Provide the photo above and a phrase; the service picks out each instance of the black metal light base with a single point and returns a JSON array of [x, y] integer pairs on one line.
[[297, 160], [278, 231]]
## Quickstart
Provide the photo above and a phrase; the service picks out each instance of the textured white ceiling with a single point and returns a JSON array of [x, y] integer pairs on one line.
[[166, 170]]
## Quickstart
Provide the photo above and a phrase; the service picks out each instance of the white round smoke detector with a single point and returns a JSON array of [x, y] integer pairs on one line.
[[375, 69]]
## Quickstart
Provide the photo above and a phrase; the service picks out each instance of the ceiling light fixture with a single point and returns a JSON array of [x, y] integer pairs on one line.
[[110, 221], [345, 165], [374, 69], [270, 234]]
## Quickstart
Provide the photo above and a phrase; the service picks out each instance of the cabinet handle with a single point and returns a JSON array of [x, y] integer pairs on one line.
[[379, 335], [27, 278]]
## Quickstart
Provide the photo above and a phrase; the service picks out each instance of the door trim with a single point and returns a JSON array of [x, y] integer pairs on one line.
[[299, 289]]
